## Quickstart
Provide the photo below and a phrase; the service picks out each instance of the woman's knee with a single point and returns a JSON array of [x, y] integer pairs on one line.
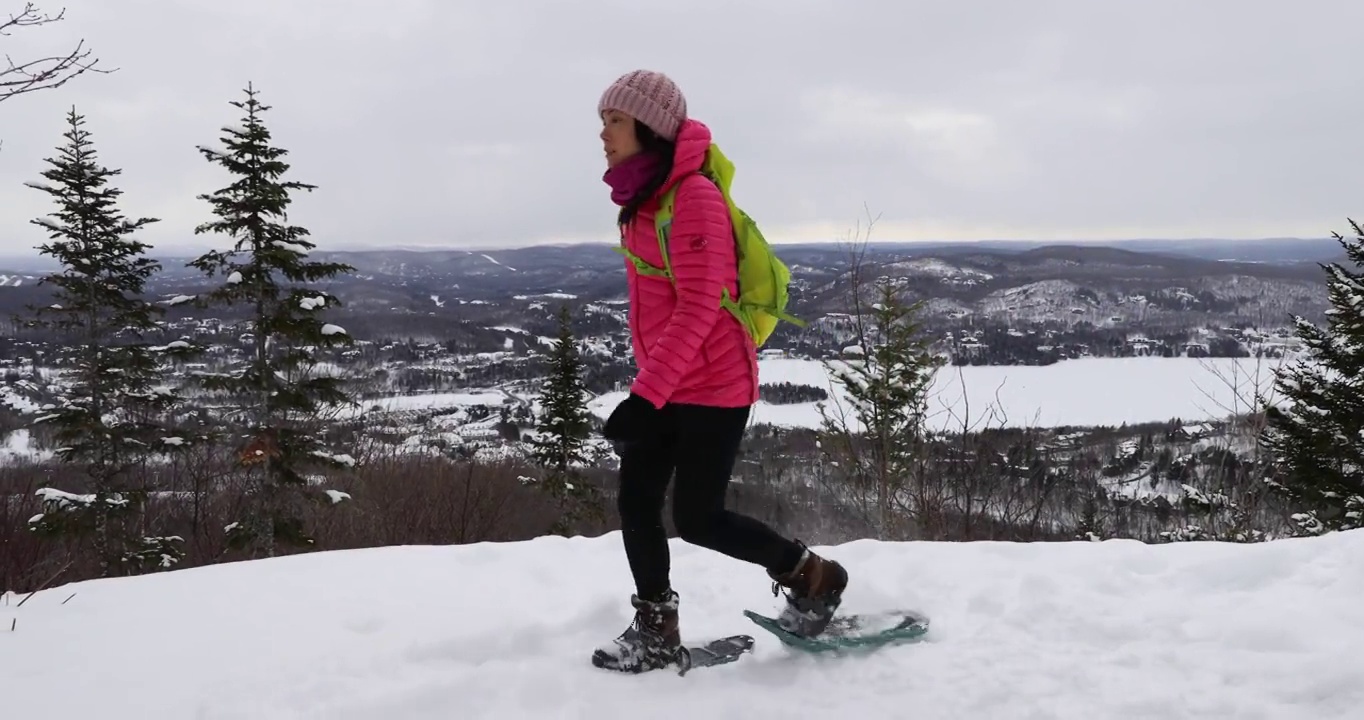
[[638, 506], [698, 518], [695, 528], [641, 494]]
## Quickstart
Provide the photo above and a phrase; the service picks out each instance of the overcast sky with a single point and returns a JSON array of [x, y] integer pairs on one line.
[[461, 124]]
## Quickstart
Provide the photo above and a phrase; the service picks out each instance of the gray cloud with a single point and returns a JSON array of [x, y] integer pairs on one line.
[[473, 123]]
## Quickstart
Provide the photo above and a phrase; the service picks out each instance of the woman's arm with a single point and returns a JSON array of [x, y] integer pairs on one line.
[[701, 250]]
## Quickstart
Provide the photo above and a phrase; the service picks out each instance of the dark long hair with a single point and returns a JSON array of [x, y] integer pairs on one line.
[[649, 142]]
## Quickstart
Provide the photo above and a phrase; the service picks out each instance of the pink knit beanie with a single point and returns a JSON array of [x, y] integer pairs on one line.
[[649, 97]]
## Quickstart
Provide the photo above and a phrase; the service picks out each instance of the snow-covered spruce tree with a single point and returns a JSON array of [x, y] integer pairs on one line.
[[274, 394], [887, 384], [563, 428], [111, 417], [1317, 438]]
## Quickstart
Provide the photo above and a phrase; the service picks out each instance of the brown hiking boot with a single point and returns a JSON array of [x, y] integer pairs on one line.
[[815, 590], [652, 641]]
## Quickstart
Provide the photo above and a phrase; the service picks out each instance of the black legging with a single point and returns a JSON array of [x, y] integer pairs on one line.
[[699, 444]]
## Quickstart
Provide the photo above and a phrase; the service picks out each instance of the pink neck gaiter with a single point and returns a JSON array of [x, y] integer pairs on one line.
[[627, 178]]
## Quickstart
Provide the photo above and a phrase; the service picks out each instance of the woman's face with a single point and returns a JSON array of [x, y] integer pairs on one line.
[[618, 137]]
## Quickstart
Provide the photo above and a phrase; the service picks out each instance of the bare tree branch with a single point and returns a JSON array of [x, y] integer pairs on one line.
[[45, 73]]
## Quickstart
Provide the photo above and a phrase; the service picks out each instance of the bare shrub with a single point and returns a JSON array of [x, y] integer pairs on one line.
[[395, 499]]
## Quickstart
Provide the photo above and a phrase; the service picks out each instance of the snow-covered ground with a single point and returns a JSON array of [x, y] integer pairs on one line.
[[1090, 391], [1079, 630]]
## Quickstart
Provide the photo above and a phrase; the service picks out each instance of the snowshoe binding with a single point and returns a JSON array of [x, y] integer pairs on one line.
[[814, 591]]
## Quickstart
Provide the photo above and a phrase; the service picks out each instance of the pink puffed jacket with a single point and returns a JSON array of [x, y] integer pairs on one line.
[[688, 348]]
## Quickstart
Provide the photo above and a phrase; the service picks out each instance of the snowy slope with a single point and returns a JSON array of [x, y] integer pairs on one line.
[[1081, 630]]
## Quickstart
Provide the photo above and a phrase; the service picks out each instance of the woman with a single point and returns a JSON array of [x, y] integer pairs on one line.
[[697, 379]]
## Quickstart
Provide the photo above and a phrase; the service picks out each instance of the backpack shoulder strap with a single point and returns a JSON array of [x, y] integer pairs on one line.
[[663, 219], [663, 222]]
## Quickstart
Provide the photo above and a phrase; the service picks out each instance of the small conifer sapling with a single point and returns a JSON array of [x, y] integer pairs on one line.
[[563, 428]]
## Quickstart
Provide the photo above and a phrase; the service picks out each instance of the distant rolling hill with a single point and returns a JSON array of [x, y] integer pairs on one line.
[[1164, 281]]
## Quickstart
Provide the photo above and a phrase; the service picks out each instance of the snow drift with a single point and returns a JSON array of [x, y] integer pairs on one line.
[[1078, 630]]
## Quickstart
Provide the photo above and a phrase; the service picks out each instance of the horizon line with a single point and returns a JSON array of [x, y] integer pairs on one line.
[[177, 250]]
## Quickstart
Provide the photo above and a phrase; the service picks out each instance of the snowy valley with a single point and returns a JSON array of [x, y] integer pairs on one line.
[[1112, 434], [1129, 426]]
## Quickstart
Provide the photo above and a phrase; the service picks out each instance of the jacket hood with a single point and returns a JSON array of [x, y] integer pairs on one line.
[[693, 139]]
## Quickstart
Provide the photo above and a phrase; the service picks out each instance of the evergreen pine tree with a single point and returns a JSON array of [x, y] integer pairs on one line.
[[564, 426], [111, 415], [1317, 440], [277, 397], [887, 386]]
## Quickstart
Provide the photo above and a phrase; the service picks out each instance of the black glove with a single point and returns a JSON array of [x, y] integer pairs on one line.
[[631, 421]]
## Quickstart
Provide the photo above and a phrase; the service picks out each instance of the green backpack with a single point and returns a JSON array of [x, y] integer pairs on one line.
[[763, 277]]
